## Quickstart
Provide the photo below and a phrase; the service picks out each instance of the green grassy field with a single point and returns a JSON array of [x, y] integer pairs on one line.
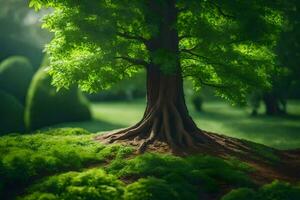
[[220, 117]]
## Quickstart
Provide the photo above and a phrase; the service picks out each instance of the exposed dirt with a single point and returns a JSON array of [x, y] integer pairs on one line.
[[285, 167]]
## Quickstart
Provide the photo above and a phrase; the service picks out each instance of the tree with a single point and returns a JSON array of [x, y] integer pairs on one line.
[[21, 33], [287, 72], [287, 49], [98, 43]]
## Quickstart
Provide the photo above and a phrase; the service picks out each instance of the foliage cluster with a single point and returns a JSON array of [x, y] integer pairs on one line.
[[97, 44], [127, 89]]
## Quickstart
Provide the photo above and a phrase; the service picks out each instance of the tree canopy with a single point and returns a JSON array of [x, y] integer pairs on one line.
[[224, 44], [289, 44]]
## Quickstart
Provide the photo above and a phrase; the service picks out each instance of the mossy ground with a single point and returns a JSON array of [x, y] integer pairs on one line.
[[68, 164]]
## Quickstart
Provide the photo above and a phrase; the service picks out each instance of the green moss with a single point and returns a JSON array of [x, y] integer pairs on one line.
[[24, 158], [150, 189], [279, 191], [192, 172], [274, 191], [15, 76], [68, 164], [11, 117], [46, 106], [92, 184], [64, 131]]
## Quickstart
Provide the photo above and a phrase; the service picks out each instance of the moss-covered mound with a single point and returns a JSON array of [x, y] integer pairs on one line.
[[46, 106], [11, 114], [66, 164], [15, 75], [274, 191]]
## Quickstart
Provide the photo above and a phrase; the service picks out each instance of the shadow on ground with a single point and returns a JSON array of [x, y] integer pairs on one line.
[[281, 132]]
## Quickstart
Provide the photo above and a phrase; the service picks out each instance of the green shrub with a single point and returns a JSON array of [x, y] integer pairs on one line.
[[25, 158], [274, 191], [150, 189], [46, 106], [92, 184], [184, 175], [11, 114], [279, 191], [240, 194], [15, 75]]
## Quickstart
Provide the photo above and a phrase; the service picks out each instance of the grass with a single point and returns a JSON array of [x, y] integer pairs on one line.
[[279, 132], [66, 164]]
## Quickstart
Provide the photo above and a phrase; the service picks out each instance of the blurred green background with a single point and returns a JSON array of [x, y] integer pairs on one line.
[[28, 102]]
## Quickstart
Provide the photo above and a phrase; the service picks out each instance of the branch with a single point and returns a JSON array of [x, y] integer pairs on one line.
[[206, 83], [133, 60], [208, 60], [184, 36], [131, 37], [222, 12], [212, 84], [189, 51]]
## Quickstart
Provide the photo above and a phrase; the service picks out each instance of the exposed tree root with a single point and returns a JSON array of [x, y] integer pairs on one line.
[[163, 123]]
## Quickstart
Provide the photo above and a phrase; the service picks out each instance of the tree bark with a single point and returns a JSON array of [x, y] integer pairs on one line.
[[166, 116]]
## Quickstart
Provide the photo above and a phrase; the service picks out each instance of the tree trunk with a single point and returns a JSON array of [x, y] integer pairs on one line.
[[166, 116], [272, 104]]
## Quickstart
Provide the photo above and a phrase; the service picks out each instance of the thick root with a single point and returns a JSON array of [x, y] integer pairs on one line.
[[163, 124]]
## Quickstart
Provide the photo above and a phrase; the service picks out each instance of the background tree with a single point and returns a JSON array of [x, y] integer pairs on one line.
[[286, 77], [288, 49], [20, 31], [224, 44]]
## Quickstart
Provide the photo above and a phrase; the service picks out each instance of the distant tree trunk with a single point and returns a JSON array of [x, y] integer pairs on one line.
[[166, 117], [197, 102], [274, 105]]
